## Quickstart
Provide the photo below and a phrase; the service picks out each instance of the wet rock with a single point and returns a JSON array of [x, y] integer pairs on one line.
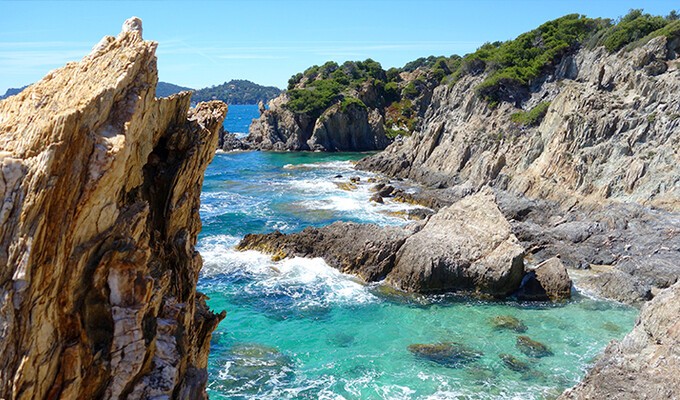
[[467, 246], [338, 176], [377, 187], [385, 191], [366, 250], [508, 322], [513, 363], [645, 364], [548, 281], [532, 348], [348, 186], [377, 198], [619, 286], [419, 213], [448, 354], [355, 179]]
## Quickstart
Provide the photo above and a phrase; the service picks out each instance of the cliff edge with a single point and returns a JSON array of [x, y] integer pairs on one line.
[[100, 186]]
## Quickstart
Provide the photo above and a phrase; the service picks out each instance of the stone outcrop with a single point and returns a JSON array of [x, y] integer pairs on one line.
[[100, 186], [598, 141], [645, 364], [466, 247], [353, 129]]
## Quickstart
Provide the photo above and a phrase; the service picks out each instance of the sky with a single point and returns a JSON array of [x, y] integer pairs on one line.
[[205, 43]]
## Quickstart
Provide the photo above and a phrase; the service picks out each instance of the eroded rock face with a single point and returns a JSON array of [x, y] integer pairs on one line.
[[467, 247], [645, 364], [100, 187], [352, 129], [600, 140]]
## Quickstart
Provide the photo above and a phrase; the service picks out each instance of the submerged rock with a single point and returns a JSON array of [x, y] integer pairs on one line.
[[532, 348], [548, 281], [508, 322], [101, 191], [252, 366], [449, 354], [513, 363]]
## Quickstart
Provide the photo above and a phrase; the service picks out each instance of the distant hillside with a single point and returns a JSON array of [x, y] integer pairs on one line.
[[164, 89], [12, 92], [237, 91]]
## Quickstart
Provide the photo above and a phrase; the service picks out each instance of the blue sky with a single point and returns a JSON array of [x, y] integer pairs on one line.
[[207, 43]]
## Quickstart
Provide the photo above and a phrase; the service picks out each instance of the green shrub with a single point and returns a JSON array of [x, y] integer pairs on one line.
[[631, 28], [348, 101], [533, 117]]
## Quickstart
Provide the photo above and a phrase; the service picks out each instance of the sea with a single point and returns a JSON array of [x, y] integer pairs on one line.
[[299, 329]]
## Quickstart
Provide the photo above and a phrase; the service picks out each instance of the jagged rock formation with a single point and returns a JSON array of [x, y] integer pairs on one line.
[[354, 129], [467, 247], [613, 138], [645, 364], [100, 187], [609, 136]]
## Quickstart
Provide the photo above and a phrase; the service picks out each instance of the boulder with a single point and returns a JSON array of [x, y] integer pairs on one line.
[[548, 281], [508, 322], [101, 187], [467, 246]]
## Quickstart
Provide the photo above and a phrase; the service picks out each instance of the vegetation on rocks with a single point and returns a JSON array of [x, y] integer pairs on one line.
[[533, 116]]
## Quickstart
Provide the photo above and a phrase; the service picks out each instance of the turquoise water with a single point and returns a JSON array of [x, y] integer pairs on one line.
[[298, 329]]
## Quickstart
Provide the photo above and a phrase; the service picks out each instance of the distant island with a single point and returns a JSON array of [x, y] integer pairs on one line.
[[236, 91]]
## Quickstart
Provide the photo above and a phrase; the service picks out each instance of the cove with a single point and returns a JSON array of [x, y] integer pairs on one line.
[[298, 329]]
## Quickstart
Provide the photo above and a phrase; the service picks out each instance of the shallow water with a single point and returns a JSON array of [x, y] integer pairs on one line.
[[298, 329]]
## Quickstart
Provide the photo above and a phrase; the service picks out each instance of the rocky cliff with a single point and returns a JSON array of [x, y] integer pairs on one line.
[[100, 186], [610, 133], [352, 128], [609, 136]]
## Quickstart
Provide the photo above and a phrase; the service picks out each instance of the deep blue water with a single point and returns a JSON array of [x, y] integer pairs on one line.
[[298, 329], [239, 118]]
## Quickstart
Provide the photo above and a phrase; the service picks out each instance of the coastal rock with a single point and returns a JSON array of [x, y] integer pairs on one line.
[[353, 128], [365, 250], [229, 142], [645, 363], [466, 246], [592, 145], [548, 281], [101, 184], [619, 286]]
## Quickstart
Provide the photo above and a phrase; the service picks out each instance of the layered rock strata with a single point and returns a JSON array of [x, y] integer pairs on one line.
[[610, 133], [100, 187], [467, 247]]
